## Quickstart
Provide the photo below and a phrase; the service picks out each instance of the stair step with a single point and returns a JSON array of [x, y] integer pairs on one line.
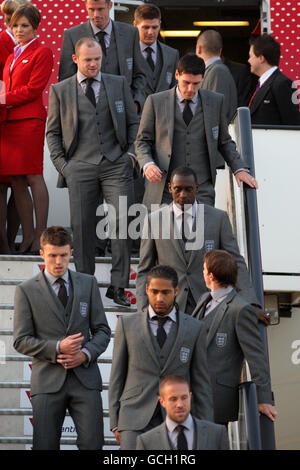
[[64, 441]]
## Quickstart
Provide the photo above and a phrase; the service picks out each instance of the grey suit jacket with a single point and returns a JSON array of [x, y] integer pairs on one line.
[[233, 335], [136, 372], [170, 58], [62, 124], [39, 323], [129, 57], [218, 78], [155, 249], [209, 436], [155, 137]]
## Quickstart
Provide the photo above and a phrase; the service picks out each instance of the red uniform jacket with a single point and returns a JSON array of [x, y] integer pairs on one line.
[[24, 84]]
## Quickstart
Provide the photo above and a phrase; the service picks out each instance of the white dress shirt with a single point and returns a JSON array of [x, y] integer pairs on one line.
[[264, 77], [153, 46], [189, 216], [154, 323], [107, 30], [96, 85]]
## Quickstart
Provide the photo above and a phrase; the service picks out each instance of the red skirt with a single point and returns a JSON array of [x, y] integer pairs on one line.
[[22, 147]]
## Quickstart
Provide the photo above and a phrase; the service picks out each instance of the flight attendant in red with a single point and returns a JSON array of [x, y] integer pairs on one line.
[[8, 213], [25, 76]]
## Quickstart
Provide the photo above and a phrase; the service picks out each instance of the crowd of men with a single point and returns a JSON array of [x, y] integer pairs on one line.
[[130, 120]]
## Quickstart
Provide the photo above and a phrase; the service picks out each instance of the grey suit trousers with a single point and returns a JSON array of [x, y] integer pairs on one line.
[[85, 408], [87, 184]]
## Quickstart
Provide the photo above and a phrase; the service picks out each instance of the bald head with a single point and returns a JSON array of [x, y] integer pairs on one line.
[[209, 44]]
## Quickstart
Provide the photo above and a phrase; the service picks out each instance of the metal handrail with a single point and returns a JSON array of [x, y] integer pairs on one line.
[[245, 147]]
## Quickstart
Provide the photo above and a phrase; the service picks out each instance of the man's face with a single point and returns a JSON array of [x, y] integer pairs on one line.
[[161, 295], [56, 258], [255, 62], [176, 399], [188, 84], [98, 11], [184, 190], [148, 30], [88, 60]]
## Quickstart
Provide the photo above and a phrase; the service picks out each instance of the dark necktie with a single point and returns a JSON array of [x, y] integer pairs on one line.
[[100, 35], [185, 232], [203, 308], [181, 439], [62, 293], [187, 112], [149, 59], [256, 90], [161, 334], [89, 92]]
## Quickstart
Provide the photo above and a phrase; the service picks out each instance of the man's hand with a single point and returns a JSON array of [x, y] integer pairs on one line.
[[263, 317], [69, 361], [117, 436], [243, 176], [153, 174], [268, 410], [71, 344]]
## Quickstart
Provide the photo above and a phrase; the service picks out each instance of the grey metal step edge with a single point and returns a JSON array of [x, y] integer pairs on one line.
[[63, 441], [22, 384], [20, 358], [98, 259], [28, 412], [113, 308], [16, 282]]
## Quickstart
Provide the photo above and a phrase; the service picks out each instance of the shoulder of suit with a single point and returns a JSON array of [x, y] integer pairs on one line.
[[196, 323], [29, 283], [112, 78], [130, 318], [168, 48], [64, 83], [81, 276], [157, 97], [125, 26], [208, 424], [211, 95], [78, 27], [214, 212]]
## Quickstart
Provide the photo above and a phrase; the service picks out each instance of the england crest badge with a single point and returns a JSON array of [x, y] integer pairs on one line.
[[221, 340], [83, 307], [209, 245], [184, 355]]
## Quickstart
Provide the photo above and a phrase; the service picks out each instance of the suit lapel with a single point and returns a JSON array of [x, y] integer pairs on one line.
[[71, 96], [261, 93], [112, 98], [208, 113], [198, 229], [164, 437], [182, 333], [219, 313], [201, 435], [146, 336], [201, 304], [76, 286], [177, 242], [164, 63], [120, 45], [170, 103], [50, 300]]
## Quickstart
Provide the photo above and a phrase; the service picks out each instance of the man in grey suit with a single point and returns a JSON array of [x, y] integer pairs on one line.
[[160, 60], [180, 430], [148, 346], [232, 336], [217, 76], [120, 44], [59, 320], [92, 124], [185, 126], [213, 230]]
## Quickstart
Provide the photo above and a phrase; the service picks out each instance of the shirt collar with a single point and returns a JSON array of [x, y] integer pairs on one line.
[[171, 315], [222, 292], [144, 46], [96, 30], [81, 77], [181, 98], [52, 279], [264, 77], [172, 425], [190, 211], [22, 48], [211, 60]]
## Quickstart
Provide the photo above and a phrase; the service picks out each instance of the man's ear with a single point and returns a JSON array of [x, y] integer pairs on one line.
[[74, 58]]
